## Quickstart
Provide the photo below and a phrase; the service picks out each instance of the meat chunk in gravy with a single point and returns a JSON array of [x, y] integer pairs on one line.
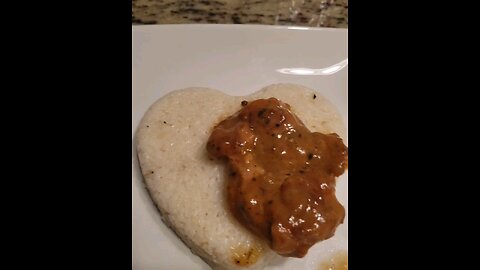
[[281, 182]]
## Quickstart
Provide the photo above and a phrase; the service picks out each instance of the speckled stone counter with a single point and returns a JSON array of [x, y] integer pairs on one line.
[[322, 13]]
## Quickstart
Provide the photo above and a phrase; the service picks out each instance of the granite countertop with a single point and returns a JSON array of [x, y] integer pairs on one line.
[[322, 13]]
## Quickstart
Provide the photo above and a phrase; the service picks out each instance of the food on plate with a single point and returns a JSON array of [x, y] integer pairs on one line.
[[281, 176], [190, 188]]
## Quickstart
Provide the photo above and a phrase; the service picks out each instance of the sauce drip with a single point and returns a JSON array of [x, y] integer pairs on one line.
[[246, 255], [282, 177], [339, 261]]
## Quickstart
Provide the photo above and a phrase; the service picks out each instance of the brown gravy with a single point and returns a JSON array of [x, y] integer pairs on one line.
[[282, 176]]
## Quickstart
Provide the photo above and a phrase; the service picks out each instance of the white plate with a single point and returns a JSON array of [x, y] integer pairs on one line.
[[237, 59]]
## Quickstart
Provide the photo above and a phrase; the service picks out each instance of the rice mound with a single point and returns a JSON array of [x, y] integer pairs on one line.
[[189, 189]]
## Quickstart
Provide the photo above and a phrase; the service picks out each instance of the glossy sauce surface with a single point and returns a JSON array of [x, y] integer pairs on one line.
[[281, 176]]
